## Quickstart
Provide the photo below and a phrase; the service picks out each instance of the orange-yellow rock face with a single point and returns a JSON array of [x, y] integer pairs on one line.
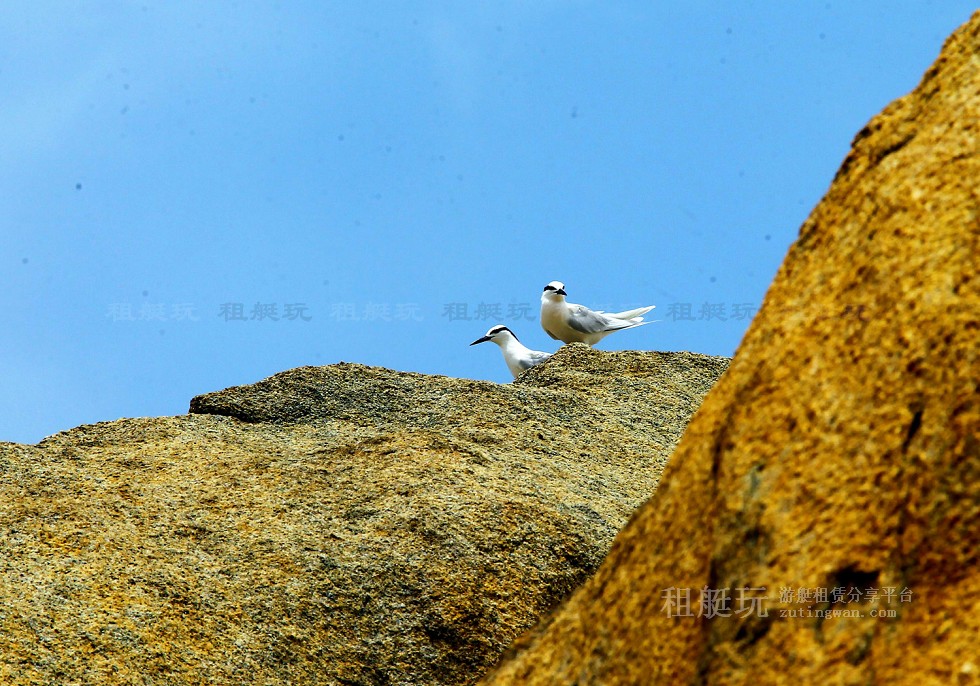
[[841, 450]]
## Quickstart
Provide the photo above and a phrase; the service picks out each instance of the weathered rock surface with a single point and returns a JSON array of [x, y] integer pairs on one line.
[[840, 451], [335, 525]]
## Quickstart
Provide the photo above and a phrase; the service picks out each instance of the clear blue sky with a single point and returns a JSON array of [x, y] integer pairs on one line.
[[200, 194]]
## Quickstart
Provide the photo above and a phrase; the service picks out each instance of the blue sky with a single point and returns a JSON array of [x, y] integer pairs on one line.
[[198, 195]]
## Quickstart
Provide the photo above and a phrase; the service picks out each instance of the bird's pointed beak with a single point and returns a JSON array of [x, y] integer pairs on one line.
[[480, 340], [561, 291]]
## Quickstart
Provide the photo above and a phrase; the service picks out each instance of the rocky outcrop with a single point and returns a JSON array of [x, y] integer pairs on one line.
[[341, 525], [833, 474]]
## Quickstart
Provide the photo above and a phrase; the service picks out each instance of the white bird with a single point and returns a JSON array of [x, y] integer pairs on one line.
[[570, 323], [516, 355]]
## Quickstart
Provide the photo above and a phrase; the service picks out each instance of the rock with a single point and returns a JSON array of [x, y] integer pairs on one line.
[[840, 451], [342, 524]]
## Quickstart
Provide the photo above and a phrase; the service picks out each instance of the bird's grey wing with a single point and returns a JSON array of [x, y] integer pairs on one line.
[[583, 319], [534, 358]]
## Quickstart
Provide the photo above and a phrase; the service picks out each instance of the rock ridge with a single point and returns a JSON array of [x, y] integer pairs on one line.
[[341, 524]]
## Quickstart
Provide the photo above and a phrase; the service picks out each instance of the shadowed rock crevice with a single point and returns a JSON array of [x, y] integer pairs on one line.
[[913, 429]]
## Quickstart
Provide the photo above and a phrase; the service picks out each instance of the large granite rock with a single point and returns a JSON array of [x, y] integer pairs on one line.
[[329, 525], [841, 451]]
